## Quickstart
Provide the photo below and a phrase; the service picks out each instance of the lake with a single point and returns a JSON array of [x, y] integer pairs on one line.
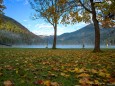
[[60, 46]]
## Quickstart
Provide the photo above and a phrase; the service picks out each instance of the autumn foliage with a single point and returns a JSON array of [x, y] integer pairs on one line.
[[22, 67]]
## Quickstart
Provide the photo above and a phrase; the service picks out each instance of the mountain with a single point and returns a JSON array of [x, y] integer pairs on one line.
[[12, 32], [87, 35]]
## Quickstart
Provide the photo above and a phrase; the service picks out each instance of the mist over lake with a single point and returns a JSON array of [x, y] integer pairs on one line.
[[61, 46]]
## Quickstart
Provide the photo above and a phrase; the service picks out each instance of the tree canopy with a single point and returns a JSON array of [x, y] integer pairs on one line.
[[2, 7], [105, 12]]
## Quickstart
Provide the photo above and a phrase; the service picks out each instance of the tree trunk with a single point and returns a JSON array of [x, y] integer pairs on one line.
[[97, 36], [55, 37], [96, 27], [55, 26]]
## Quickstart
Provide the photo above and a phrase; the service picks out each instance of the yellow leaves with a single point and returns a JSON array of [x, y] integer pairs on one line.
[[102, 74], [84, 75], [76, 70], [108, 75], [85, 81], [50, 67], [79, 70], [94, 71], [65, 75], [86, 16], [47, 83], [96, 82], [75, 17]]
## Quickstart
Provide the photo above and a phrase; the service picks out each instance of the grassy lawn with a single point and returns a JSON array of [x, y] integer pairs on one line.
[[61, 67]]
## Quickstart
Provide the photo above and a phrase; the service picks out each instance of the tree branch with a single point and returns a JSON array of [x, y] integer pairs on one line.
[[85, 7], [49, 21]]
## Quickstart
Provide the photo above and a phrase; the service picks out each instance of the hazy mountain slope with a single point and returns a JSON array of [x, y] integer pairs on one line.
[[12, 32], [87, 35]]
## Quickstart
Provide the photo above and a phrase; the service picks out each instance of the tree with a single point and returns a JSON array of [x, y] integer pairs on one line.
[[51, 11], [98, 12], [82, 11], [2, 7], [108, 13]]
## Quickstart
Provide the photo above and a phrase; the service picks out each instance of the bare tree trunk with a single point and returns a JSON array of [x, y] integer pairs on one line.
[[55, 37], [97, 29], [55, 26]]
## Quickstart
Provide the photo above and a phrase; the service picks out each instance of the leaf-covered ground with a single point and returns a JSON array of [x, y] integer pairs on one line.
[[46, 67]]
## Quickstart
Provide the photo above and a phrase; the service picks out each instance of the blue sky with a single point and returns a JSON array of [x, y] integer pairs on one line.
[[21, 11]]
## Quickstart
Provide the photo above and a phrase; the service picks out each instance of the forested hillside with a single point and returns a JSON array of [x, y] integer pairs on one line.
[[12, 32], [86, 35]]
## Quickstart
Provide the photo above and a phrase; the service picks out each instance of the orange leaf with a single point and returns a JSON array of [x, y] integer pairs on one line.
[[83, 75], [47, 83]]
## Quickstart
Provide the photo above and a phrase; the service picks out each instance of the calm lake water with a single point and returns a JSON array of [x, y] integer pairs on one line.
[[60, 46]]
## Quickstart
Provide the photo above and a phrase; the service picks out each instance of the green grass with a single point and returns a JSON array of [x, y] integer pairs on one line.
[[65, 67]]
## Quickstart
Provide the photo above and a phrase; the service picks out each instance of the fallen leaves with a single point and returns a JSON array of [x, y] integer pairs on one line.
[[8, 83], [1, 74], [9, 67], [65, 75], [56, 68], [112, 81], [79, 70], [94, 71], [38, 82], [46, 83], [83, 75], [85, 81]]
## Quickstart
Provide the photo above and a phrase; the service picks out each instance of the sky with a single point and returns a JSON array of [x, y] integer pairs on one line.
[[21, 11]]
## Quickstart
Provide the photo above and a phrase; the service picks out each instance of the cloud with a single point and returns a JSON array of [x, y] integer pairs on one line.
[[47, 29], [43, 29], [43, 32], [25, 20], [43, 26]]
